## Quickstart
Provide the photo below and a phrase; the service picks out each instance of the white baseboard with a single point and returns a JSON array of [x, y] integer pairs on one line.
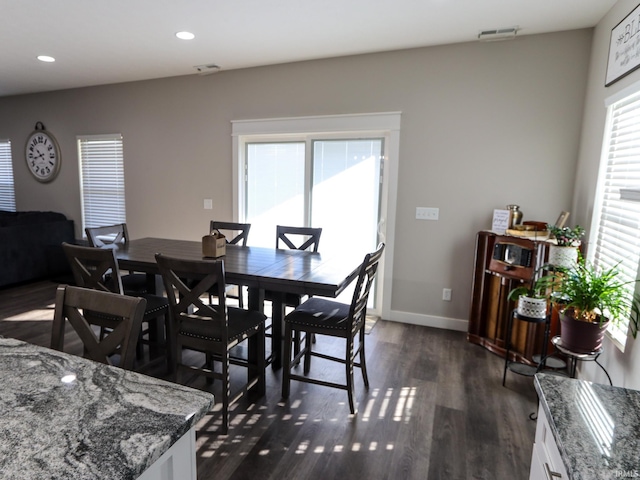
[[430, 321]]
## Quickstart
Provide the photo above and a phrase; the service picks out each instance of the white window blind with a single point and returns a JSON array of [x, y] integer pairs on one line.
[[615, 236], [7, 190], [101, 180]]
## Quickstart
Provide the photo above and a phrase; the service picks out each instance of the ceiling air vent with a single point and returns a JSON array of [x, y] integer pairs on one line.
[[207, 69], [498, 34]]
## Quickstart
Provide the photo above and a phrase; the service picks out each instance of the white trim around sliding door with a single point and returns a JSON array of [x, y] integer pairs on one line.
[[385, 124]]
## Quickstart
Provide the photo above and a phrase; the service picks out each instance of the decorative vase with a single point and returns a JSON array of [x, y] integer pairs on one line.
[[515, 215], [532, 307], [579, 336], [561, 256]]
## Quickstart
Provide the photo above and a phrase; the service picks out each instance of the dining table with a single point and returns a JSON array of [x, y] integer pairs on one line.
[[258, 268]]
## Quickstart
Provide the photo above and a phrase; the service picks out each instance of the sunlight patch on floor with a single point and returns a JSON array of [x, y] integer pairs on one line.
[[38, 315]]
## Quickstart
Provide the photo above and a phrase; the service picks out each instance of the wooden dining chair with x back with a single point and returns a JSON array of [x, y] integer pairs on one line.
[[322, 316], [72, 305], [212, 329], [294, 238], [109, 235], [97, 269], [236, 234]]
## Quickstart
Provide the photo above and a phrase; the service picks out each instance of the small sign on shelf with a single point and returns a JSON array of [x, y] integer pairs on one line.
[[501, 221]]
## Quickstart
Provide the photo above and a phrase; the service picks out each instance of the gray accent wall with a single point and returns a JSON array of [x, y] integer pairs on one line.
[[483, 125]]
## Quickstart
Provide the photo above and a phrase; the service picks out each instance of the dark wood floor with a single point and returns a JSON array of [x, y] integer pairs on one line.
[[435, 409]]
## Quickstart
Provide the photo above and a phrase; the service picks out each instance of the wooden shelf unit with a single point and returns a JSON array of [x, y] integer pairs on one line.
[[493, 279]]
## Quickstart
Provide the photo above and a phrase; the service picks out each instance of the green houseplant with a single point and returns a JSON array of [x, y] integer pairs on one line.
[[589, 300], [564, 253], [533, 298]]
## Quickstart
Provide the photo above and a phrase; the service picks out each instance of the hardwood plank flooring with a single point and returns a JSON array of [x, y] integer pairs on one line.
[[436, 409]]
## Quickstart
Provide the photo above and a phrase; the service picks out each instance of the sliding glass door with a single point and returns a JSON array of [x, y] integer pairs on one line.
[[333, 183]]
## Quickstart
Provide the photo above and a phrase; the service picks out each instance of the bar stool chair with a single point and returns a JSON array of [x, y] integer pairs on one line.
[[322, 316]]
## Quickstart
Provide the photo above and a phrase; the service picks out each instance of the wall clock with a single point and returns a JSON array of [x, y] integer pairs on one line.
[[42, 154]]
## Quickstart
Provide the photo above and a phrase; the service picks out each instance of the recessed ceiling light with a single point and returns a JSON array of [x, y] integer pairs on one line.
[[185, 35], [46, 58]]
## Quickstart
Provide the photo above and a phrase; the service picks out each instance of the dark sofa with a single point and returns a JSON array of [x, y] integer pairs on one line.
[[30, 245]]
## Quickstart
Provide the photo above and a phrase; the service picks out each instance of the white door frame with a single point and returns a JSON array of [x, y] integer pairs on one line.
[[386, 124]]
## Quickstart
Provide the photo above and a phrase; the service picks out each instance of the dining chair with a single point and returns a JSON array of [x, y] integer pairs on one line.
[[294, 238], [73, 303], [322, 316], [97, 269], [111, 235], [212, 329], [235, 234]]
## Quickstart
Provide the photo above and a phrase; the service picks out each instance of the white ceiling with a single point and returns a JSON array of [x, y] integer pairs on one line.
[[109, 41]]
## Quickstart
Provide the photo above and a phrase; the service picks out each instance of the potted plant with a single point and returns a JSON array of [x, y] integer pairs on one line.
[[564, 253], [533, 298], [591, 299]]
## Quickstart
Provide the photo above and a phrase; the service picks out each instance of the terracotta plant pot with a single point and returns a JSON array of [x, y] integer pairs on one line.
[[579, 336]]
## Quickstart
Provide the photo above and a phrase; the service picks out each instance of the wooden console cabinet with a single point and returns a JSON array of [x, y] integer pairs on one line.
[[493, 278]]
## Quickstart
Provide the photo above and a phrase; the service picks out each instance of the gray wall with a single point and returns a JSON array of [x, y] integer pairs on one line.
[[483, 125], [624, 368]]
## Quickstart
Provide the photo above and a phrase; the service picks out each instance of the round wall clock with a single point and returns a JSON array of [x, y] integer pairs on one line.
[[42, 154]]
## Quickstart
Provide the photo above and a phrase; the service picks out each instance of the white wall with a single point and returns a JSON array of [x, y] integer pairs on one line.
[[483, 125], [624, 368]]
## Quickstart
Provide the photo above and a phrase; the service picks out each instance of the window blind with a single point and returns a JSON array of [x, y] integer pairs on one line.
[[102, 180], [615, 239], [7, 189]]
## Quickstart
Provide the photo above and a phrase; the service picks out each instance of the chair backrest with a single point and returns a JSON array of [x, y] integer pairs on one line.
[[71, 303], [185, 282], [366, 276], [95, 268], [298, 238], [107, 235], [236, 233]]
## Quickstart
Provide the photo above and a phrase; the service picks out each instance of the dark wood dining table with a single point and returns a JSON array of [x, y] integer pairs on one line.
[[258, 268]]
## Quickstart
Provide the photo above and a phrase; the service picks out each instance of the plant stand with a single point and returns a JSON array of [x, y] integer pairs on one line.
[[574, 357], [518, 367]]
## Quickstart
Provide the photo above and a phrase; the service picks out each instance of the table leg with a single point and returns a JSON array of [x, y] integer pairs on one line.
[[256, 303], [277, 328]]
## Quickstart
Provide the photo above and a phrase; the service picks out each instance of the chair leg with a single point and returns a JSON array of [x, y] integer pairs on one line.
[[309, 339], [257, 363], [363, 360], [349, 373], [225, 393], [286, 361]]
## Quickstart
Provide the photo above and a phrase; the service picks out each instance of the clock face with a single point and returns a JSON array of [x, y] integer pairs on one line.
[[42, 155]]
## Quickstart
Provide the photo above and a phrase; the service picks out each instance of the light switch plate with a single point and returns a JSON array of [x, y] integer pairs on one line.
[[427, 213], [208, 204]]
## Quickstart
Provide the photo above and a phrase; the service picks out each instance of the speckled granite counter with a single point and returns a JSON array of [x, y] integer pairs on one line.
[[108, 423], [596, 427]]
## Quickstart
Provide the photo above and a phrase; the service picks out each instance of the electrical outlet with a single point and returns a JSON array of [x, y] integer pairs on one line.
[[446, 294], [427, 213]]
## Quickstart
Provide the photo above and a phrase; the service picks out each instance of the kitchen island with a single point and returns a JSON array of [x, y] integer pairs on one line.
[[596, 429], [66, 417]]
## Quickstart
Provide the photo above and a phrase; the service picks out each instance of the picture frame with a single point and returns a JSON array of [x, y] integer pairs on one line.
[[624, 48], [562, 219]]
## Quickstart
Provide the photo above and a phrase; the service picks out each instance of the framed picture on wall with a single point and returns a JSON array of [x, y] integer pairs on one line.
[[624, 48]]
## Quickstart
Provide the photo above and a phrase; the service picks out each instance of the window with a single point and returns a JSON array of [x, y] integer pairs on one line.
[[7, 191], [101, 180], [615, 229]]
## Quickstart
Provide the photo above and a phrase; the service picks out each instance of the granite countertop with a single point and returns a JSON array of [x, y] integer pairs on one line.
[[596, 427], [108, 423]]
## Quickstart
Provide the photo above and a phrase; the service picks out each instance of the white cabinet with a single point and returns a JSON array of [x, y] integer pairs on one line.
[[546, 463]]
